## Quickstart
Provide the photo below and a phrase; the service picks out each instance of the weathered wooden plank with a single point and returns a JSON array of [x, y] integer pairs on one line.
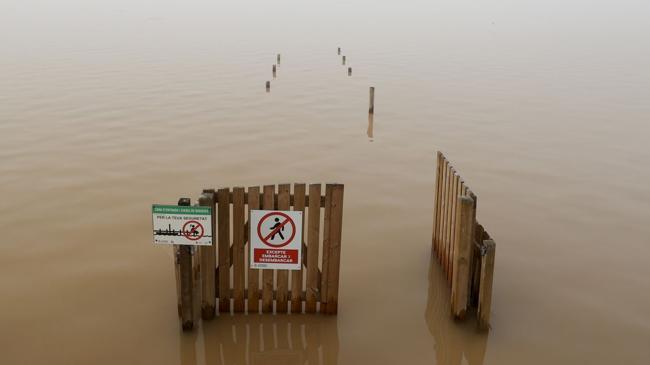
[[187, 282], [335, 229], [321, 199], [253, 274], [177, 274], [436, 206], [452, 226], [223, 221], [296, 275], [282, 303], [485, 291], [313, 231], [442, 238], [326, 246], [267, 274], [238, 264], [462, 253], [208, 263]]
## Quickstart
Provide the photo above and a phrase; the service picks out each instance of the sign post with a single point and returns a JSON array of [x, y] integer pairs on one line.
[[276, 239]]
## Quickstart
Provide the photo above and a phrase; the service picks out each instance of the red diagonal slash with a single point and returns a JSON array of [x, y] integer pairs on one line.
[[277, 229]]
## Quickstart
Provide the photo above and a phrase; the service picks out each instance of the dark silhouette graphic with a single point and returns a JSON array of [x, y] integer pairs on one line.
[[276, 225]]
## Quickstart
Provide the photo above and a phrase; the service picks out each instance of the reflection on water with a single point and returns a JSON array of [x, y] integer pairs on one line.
[[371, 120], [264, 339], [454, 340]]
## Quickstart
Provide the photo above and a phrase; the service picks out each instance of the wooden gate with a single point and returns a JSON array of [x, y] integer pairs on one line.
[[227, 283]]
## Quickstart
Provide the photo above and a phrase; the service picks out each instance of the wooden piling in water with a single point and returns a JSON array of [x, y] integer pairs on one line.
[[313, 230], [371, 108], [274, 71], [339, 51], [343, 60], [464, 230], [223, 222], [187, 283], [208, 261], [485, 287], [349, 71], [253, 274], [267, 274], [268, 86], [278, 58]]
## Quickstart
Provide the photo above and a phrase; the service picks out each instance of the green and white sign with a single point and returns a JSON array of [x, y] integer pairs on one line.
[[180, 225]]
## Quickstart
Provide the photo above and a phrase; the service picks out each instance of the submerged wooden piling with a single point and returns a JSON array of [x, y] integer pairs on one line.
[[187, 284], [208, 260], [485, 288], [278, 58], [339, 50], [464, 230], [268, 86], [349, 71], [371, 108], [273, 70], [344, 60]]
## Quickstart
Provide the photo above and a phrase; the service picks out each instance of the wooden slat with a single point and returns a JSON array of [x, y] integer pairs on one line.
[[313, 230], [253, 274], [187, 284], [485, 291], [238, 264], [445, 217], [326, 246], [296, 275], [208, 263], [436, 209], [282, 302], [177, 274], [335, 228], [320, 199], [452, 225], [267, 274], [223, 220], [442, 238], [461, 256]]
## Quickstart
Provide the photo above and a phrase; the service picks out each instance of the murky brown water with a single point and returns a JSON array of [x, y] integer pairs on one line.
[[106, 108]]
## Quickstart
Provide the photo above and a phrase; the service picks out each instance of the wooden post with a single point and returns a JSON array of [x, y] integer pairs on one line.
[[253, 274], [268, 86], [349, 71], [187, 284], [274, 71], [223, 221], [334, 255], [296, 275], [267, 274], [208, 262], [371, 109], [464, 228], [238, 233], [485, 287], [339, 50], [278, 58], [313, 232], [343, 60], [282, 290]]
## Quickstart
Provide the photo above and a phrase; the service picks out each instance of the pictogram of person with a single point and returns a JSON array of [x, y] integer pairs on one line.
[[276, 225]]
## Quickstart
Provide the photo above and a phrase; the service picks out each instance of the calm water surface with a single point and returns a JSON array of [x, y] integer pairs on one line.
[[108, 107]]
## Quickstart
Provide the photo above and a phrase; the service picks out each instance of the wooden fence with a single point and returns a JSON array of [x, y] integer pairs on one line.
[[462, 246], [227, 283]]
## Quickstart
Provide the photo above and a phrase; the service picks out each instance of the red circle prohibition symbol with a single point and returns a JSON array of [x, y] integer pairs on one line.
[[198, 228], [287, 219]]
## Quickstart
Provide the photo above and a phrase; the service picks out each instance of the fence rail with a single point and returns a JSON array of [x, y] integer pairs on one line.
[[227, 283], [462, 246]]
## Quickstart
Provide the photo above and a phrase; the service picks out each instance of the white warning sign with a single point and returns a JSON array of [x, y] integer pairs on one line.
[[181, 225], [276, 239]]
